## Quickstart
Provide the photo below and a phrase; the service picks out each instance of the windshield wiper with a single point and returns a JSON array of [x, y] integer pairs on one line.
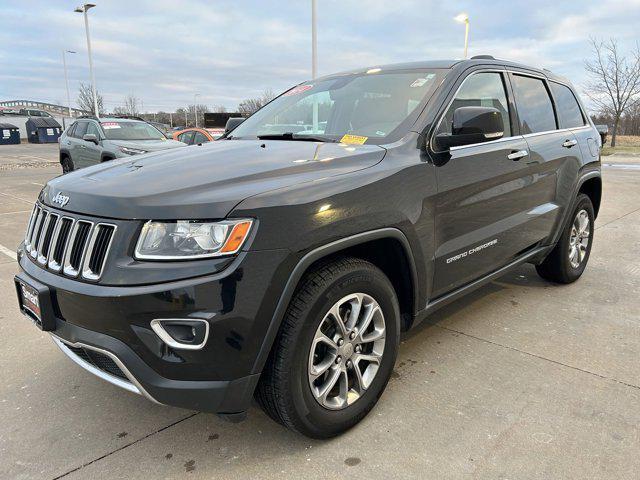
[[301, 137]]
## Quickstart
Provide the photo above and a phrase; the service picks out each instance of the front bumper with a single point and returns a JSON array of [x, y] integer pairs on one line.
[[106, 330], [116, 363]]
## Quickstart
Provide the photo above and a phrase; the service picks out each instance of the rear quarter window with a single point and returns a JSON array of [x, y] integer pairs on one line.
[[569, 112], [535, 110]]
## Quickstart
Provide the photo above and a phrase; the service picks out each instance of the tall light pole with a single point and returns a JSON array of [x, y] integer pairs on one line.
[[84, 9], [314, 41], [314, 60], [66, 78], [195, 107], [464, 18]]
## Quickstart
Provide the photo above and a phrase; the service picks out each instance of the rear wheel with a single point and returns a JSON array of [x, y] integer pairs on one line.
[[67, 164], [335, 350], [569, 258]]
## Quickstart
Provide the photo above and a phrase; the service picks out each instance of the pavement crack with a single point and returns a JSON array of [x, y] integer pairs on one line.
[[125, 446], [613, 221], [604, 377]]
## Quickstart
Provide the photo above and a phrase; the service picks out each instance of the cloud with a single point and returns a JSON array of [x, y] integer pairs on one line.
[[165, 51]]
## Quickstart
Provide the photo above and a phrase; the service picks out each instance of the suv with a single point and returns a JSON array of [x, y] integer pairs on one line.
[[284, 266], [89, 141]]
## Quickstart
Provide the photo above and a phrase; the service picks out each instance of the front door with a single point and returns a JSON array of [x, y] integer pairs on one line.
[[476, 230], [91, 152]]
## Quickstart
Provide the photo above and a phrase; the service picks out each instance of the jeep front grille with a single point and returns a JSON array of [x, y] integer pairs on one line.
[[67, 244]]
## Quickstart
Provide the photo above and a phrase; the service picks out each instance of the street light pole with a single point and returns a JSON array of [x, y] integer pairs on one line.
[[314, 60], [84, 9], [195, 107], [464, 18], [314, 41], [66, 78]]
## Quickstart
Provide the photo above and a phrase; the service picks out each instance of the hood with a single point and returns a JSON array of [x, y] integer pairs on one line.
[[148, 145], [202, 181]]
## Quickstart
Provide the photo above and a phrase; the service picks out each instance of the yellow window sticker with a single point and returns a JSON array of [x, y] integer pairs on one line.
[[353, 139]]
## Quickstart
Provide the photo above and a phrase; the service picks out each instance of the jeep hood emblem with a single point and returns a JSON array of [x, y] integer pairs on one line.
[[60, 199]]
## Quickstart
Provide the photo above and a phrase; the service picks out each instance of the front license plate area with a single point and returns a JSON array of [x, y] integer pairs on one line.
[[34, 300]]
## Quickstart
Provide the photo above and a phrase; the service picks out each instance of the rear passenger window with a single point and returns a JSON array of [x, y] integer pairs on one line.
[[569, 113], [535, 109], [480, 90]]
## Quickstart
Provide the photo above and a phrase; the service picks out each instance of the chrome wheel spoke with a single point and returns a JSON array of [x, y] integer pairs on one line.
[[346, 351], [579, 238]]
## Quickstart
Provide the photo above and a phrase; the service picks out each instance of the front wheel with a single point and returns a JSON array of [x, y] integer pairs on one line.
[[335, 351], [67, 165], [569, 258]]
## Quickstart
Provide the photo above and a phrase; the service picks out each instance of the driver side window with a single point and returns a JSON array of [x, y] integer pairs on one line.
[[479, 90]]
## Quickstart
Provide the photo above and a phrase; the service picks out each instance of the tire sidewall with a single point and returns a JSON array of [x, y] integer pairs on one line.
[[583, 203], [309, 411]]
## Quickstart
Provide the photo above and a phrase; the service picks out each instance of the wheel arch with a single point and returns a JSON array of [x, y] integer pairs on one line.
[[105, 157], [592, 187], [64, 153], [387, 248]]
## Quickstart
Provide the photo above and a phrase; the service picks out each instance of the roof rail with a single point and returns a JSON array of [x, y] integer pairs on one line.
[[483, 57], [92, 117]]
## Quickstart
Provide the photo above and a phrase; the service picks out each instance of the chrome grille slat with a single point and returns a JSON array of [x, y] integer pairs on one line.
[[67, 245]]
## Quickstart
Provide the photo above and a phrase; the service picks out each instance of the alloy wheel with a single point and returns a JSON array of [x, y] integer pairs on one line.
[[346, 351], [579, 238]]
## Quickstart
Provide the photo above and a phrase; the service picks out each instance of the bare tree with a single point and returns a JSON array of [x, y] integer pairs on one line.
[[220, 109], [85, 99], [615, 81], [252, 105]]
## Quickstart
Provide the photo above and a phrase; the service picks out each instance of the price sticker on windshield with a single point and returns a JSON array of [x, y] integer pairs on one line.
[[108, 125], [353, 139], [298, 90]]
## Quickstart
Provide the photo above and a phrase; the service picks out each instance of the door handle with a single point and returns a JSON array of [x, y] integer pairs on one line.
[[517, 155], [569, 143]]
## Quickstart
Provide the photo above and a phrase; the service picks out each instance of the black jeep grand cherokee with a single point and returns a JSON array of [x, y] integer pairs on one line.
[[283, 261]]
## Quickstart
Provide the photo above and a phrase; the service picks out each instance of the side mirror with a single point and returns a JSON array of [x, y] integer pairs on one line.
[[473, 125], [232, 123], [603, 130], [90, 137]]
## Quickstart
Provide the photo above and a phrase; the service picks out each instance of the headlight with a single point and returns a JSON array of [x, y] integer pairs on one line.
[[131, 151], [186, 239]]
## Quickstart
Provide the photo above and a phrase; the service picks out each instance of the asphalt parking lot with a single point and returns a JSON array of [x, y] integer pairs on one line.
[[520, 380]]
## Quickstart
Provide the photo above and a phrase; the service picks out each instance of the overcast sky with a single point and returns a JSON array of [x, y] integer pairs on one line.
[[164, 51]]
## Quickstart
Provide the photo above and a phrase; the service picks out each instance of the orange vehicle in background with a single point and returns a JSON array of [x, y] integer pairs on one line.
[[193, 136]]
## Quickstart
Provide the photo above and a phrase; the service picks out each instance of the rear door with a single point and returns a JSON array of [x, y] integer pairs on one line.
[[553, 156], [476, 231]]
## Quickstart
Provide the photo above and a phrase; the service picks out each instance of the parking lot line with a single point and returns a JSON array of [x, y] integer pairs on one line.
[[16, 198], [8, 252], [13, 213]]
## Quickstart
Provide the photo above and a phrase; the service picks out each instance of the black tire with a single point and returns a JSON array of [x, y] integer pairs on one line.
[[67, 164], [284, 391], [557, 266]]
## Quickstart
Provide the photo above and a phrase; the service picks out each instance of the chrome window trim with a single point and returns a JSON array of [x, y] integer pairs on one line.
[[53, 265], [132, 386], [582, 112], [444, 112], [156, 326], [503, 139], [67, 269], [86, 271]]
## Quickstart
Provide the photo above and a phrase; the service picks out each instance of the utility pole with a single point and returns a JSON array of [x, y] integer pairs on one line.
[[195, 107], [66, 78], [84, 9]]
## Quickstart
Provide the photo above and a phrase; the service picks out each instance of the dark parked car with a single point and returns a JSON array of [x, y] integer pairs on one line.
[[283, 265]]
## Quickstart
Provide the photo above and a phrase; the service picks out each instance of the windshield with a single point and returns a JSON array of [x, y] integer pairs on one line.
[[375, 107], [131, 131]]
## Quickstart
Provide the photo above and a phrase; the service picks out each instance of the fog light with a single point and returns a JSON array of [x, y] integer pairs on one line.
[[182, 334]]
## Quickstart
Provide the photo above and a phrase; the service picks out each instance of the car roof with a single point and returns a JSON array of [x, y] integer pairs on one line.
[[449, 64]]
